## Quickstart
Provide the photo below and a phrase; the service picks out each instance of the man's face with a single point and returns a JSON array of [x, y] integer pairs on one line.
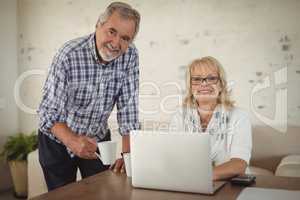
[[114, 36]]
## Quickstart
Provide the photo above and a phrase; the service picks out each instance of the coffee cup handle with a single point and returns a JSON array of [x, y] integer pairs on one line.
[[98, 155]]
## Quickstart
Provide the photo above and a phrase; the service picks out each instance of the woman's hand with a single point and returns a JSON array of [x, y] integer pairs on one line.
[[235, 166]]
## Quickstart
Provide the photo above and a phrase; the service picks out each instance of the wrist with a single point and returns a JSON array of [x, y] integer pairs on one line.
[[70, 140], [64, 134], [215, 174], [122, 153], [125, 144]]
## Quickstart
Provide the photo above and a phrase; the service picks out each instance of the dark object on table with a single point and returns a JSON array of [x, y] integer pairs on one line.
[[243, 180]]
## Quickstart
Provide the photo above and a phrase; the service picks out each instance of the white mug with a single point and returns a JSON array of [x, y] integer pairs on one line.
[[127, 161], [107, 151]]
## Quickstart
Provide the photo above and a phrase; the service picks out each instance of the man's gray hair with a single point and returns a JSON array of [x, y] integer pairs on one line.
[[125, 11]]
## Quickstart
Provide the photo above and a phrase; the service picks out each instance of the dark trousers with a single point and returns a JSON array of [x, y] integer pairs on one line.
[[59, 168]]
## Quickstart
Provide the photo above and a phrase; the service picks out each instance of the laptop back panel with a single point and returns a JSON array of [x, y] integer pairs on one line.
[[171, 161]]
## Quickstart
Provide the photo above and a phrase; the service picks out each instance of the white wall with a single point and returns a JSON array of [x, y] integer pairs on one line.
[[253, 40], [8, 76]]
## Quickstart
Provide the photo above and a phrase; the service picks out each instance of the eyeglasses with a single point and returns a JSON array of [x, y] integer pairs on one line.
[[197, 80]]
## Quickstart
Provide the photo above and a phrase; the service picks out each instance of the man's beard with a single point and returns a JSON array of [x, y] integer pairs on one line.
[[108, 56]]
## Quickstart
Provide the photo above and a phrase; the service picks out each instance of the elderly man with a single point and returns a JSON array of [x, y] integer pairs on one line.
[[88, 76]]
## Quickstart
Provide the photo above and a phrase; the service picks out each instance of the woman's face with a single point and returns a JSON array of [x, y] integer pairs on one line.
[[205, 83]]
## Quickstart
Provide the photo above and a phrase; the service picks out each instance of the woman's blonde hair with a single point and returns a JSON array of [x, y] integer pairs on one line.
[[224, 96]]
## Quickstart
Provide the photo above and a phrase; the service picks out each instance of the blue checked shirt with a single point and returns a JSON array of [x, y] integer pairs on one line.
[[81, 92]]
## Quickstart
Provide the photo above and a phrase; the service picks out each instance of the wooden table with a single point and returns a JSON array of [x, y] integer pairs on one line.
[[111, 186]]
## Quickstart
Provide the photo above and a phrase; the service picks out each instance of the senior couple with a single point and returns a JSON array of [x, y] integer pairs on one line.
[[91, 74]]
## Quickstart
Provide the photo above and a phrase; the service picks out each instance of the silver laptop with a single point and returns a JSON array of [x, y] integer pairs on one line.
[[175, 161]]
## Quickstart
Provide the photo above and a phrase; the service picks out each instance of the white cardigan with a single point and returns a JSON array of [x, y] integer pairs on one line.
[[230, 131]]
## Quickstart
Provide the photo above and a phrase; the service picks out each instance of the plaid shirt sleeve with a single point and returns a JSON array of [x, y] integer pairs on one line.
[[127, 102], [52, 107]]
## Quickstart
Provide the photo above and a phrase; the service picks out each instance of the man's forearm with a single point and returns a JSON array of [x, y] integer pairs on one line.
[[63, 133], [82, 146]]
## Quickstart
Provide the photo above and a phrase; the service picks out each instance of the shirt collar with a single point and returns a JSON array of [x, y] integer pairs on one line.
[[92, 46], [96, 50], [218, 117]]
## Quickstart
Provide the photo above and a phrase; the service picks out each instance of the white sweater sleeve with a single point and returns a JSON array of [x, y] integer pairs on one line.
[[241, 145]]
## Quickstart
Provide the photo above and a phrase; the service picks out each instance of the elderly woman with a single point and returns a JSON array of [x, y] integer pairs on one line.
[[208, 109]]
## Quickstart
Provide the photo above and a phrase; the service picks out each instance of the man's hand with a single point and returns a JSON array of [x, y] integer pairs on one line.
[[83, 147], [119, 165]]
